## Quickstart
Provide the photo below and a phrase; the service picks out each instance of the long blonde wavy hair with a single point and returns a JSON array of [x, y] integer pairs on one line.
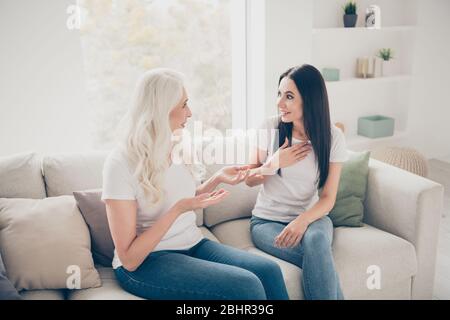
[[145, 133]]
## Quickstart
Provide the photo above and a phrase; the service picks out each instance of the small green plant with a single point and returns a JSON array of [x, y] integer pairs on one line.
[[350, 7], [386, 54]]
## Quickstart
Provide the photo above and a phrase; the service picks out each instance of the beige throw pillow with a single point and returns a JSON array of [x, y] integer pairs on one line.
[[45, 244]]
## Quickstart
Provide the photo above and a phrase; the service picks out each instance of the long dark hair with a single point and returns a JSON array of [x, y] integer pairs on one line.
[[316, 115]]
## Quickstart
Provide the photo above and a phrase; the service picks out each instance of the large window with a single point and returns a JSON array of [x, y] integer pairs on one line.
[[123, 38]]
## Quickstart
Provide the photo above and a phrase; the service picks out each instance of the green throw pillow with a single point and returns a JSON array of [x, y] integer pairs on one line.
[[348, 210]]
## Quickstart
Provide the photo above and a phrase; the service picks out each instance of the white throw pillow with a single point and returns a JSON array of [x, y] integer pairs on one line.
[[45, 244]]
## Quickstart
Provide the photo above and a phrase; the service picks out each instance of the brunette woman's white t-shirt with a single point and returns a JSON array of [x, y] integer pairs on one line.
[[283, 198], [120, 184]]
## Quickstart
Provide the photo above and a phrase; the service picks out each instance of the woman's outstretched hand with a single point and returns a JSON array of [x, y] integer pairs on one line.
[[233, 175], [201, 201]]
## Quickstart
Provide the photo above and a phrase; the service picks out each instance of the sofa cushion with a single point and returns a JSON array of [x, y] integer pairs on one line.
[[355, 250], [53, 240], [94, 213], [361, 252], [110, 289], [69, 172], [48, 294], [66, 173], [7, 290], [349, 207], [21, 177], [235, 233], [208, 234]]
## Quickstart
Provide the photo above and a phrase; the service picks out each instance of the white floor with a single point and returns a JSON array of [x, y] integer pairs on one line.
[[442, 278], [440, 171]]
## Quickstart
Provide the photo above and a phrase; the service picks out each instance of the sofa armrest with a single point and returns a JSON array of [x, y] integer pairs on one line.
[[410, 207]]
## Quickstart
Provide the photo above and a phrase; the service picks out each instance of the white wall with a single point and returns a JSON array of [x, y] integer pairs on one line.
[[288, 42], [42, 96], [43, 103], [429, 118]]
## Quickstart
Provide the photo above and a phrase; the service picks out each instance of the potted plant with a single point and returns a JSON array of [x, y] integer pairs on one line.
[[386, 54], [350, 16]]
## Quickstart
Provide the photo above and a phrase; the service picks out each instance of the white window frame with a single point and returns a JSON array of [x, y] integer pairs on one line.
[[248, 63]]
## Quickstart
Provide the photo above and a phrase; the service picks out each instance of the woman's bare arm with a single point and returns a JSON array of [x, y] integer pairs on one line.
[[122, 214], [293, 232], [209, 185], [133, 250], [257, 158], [328, 196]]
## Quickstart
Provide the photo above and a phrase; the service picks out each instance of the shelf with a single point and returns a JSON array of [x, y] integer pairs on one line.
[[359, 143], [351, 81], [342, 30]]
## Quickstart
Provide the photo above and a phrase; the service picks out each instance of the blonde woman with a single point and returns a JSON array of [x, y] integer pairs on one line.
[[160, 253]]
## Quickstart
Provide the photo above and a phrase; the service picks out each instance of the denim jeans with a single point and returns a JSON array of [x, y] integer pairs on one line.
[[207, 271], [313, 254]]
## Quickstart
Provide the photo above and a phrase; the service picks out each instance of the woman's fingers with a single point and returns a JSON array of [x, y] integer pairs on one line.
[[216, 199], [212, 194], [204, 196], [287, 240], [292, 241], [241, 176], [246, 175], [297, 240], [217, 192], [302, 152], [302, 148], [213, 200], [237, 178], [298, 146], [280, 238], [301, 156]]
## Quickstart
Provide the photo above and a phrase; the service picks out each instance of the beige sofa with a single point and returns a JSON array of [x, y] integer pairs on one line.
[[402, 214]]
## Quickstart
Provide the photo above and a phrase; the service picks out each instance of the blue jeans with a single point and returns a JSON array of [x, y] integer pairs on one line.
[[207, 271], [313, 254]]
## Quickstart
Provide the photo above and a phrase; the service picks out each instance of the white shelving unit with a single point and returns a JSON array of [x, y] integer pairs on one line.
[[339, 47], [369, 81], [360, 143], [366, 31]]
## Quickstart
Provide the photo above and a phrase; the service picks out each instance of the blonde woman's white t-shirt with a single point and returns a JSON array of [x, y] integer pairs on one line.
[[283, 198], [120, 184]]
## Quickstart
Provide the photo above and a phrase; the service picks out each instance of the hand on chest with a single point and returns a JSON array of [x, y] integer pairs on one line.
[[305, 169]]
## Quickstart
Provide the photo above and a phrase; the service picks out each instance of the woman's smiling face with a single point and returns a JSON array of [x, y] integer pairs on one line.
[[179, 114], [289, 102]]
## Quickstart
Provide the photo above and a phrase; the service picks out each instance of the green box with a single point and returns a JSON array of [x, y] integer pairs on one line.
[[376, 126], [330, 74]]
